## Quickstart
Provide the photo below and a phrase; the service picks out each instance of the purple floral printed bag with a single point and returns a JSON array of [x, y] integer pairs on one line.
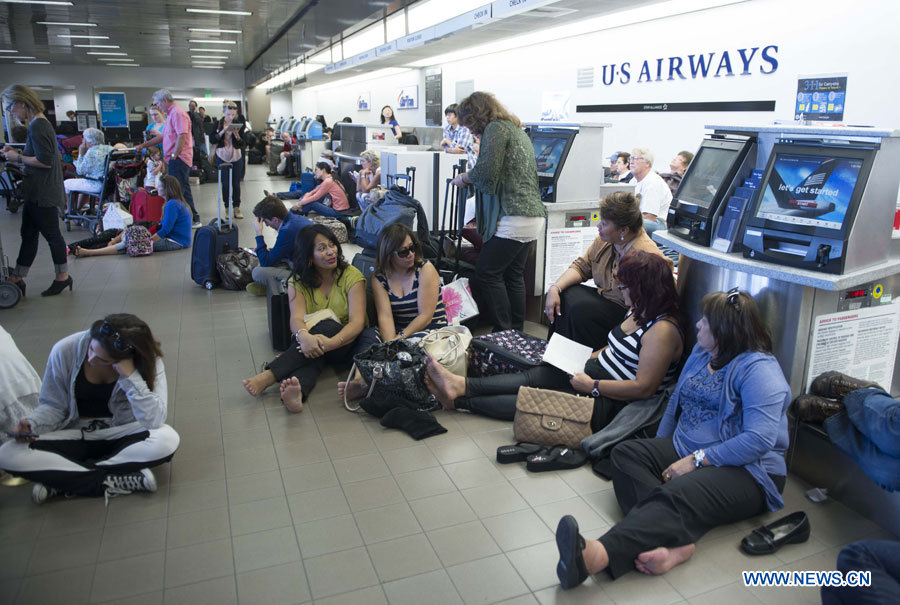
[[506, 352]]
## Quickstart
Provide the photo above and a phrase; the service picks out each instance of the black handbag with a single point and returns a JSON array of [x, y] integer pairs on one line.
[[236, 268], [393, 370]]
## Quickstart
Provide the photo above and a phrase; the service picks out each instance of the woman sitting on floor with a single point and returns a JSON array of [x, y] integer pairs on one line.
[[321, 280], [639, 362], [100, 424], [406, 290], [717, 458], [328, 198], [174, 231]]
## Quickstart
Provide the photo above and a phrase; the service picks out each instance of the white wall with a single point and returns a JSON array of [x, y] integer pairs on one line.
[[280, 105], [829, 38]]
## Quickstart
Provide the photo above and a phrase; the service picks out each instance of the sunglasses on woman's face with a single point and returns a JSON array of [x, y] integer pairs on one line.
[[404, 252], [107, 330]]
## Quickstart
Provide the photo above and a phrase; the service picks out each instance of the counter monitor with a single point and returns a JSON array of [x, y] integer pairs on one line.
[[550, 151], [707, 175]]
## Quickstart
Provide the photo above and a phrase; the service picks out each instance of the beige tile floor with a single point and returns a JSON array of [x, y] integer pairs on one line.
[[260, 506]]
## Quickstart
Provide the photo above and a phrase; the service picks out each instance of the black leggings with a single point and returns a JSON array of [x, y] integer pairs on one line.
[[586, 316], [36, 221], [677, 512]]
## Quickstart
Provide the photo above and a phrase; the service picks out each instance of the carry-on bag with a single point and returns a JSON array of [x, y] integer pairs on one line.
[[236, 268], [145, 206], [395, 207], [335, 226], [549, 417], [506, 352], [213, 239], [279, 311]]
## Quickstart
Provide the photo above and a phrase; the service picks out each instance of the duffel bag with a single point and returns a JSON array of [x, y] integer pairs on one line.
[[506, 352], [236, 268]]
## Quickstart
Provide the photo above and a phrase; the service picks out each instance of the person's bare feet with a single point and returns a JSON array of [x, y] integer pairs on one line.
[[660, 560], [446, 386], [79, 251], [259, 383], [356, 389], [291, 394]]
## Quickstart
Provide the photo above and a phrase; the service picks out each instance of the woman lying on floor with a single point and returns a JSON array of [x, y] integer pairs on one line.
[[321, 281], [174, 231], [639, 362], [718, 456], [100, 424]]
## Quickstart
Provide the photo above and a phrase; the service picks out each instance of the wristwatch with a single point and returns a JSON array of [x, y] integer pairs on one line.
[[699, 457], [595, 392]]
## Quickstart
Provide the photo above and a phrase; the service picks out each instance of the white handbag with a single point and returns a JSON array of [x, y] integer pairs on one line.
[[449, 346]]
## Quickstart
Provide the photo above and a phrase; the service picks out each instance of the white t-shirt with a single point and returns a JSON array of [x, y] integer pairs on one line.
[[655, 195], [520, 228]]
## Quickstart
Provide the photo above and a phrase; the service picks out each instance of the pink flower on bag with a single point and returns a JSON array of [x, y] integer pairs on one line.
[[453, 303]]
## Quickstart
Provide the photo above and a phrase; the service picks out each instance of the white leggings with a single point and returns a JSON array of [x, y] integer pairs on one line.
[[77, 461]]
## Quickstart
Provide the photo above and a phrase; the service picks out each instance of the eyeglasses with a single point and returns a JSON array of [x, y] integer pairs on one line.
[[404, 252], [634, 159], [733, 298], [107, 330]]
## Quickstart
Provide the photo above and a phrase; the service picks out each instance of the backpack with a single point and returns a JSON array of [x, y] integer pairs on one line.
[[138, 241], [395, 207]]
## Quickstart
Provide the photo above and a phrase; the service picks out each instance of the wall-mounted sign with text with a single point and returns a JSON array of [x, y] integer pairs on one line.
[[364, 101], [408, 97], [113, 109], [821, 98]]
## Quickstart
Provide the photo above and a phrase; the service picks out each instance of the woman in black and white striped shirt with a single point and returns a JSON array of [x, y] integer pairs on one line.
[[640, 360]]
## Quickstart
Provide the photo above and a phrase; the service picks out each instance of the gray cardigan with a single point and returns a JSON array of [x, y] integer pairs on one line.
[[131, 399]]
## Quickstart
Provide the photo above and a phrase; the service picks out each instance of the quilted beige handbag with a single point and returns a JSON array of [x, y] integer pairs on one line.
[[449, 346], [552, 418]]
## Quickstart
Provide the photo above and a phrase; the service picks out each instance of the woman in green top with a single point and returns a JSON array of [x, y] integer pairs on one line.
[[509, 212], [321, 279]]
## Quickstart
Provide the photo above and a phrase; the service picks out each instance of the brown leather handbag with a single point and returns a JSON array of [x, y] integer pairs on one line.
[[552, 418]]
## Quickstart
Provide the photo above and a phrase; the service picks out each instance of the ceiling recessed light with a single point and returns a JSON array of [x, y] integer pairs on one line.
[[209, 62], [216, 12], [215, 31], [106, 53], [54, 2], [17, 57], [123, 65], [113, 59], [207, 57], [63, 24], [210, 50], [208, 67], [86, 37], [8, 51], [95, 46], [212, 41], [33, 62]]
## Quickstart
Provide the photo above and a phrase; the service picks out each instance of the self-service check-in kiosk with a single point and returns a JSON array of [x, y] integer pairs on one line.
[[565, 155], [310, 144]]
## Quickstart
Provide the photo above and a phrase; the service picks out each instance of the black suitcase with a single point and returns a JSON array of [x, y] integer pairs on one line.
[[212, 240], [365, 262], [279, 312], [255, 156]]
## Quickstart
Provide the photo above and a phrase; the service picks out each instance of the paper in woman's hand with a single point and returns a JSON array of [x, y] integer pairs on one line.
[[567, 355]]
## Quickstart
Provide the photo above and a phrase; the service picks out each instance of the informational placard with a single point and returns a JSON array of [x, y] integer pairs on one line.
[[563, 247], [364, 101], [821, 98], [113, 109], [408, 97], [861, 343], [555, 105], [85, 119]]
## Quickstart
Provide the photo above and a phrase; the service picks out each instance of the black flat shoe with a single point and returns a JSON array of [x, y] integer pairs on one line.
[[518, 452], [558, 459], [58, 286], [812, 408], [571, 569], [765, 540]]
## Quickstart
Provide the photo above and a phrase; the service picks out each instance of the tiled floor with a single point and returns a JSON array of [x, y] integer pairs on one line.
[[260, 506]]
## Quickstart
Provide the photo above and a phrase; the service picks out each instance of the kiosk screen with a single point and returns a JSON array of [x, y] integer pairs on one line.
[[809, 190], [707, 175], [548, 151]]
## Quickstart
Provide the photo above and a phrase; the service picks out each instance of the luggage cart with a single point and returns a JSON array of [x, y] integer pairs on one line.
[[9, 292]]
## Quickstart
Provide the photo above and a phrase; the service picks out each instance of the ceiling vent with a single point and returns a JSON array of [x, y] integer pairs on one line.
[[548, 12], [585, 77]]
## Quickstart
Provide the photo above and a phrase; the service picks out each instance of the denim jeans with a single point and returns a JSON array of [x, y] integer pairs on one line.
[[501, 281], [318, 207], [182, 173], [882, 558]]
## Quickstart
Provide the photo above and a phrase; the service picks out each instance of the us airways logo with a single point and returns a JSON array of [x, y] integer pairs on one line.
[[717, 64]]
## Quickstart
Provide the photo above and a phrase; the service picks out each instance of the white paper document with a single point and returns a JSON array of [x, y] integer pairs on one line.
[[567, 355]]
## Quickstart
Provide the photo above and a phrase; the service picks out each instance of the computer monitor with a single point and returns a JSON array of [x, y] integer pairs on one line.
[[550, 151], [812, 189], [708, 173]]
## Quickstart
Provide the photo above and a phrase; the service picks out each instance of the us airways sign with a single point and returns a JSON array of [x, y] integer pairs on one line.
[[715, 64]]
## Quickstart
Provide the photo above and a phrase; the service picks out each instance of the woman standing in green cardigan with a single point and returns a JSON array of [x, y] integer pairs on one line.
[[509, 212]]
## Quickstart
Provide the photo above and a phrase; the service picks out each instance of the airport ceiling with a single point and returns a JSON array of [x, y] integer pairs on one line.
[[157, 33]]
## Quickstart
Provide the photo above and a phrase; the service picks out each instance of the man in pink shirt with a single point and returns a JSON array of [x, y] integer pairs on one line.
[[178, 145]]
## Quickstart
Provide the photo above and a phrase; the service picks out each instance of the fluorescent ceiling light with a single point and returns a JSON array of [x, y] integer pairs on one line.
[[53, 2], [86, 37], [113, 59], [322, 58], [364, 40], [95, 46], [123, 65], [106, 53], [34, 62], [63, 24], [8, 51], [17, 57], [217, 12], [212, 41], [210, 50], [208, 67], [208, 62], [207, 57], [215, 31]]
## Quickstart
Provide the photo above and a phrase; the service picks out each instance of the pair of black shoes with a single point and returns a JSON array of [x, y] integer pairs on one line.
[[541, 458], [55, 288], [825, 395]]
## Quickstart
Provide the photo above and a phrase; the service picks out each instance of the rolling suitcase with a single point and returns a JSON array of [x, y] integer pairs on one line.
[[365, 262], [407, 181], [212, 240], [279, 312], [146, 206]]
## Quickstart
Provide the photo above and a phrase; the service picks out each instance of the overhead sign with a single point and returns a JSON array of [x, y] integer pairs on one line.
[[472, 18], [506, 8], [416, 39], [113, 109], [386, 49]]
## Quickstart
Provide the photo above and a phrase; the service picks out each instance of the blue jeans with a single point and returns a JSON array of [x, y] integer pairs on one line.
[[318, 207], [869, 432], [651, 226], [166, 245], [882, 558], [182, 173]]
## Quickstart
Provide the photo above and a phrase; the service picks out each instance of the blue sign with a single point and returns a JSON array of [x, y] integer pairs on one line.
[[113, 110], [821, 98]]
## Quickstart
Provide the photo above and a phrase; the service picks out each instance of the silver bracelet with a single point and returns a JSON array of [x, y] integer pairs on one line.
[[558, 289]]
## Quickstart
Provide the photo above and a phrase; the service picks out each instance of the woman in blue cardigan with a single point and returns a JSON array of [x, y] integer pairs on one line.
[[718, 456]]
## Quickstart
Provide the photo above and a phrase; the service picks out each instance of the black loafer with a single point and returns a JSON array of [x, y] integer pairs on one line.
[[765, 540], [571, 569], [560, 458], [519, 452]]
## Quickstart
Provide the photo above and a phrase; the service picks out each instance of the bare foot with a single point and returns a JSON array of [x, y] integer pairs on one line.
[[79, 251], [356, 389], [444, 384], [259, 383], [291, 394], [660, 560]]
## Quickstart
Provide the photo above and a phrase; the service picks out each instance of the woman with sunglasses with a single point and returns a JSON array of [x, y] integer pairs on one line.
[[639, 362], [321, 280], [718, 456], [100, 422], [42, 188]]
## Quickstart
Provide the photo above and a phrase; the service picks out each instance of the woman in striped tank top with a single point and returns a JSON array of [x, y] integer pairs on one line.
[[640, 360]]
